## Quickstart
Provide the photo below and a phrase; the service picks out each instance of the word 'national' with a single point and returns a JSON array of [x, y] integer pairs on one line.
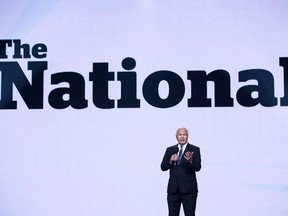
[[74, 95]]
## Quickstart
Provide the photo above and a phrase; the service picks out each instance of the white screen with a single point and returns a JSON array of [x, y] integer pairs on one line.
[[95, 161]]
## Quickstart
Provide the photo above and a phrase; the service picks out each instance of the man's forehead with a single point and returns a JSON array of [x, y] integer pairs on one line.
[[182, 131]]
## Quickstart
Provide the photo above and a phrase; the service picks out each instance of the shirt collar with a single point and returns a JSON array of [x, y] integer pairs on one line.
[[184, 146]]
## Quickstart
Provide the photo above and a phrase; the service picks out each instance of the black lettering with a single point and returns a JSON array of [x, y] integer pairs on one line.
[[75, 92], [39, 51], [284, 63], [128, 85], [265, 88], [221, 79], [3, 50], [18, 47], [176, 89], [32, 94], [100, 76]]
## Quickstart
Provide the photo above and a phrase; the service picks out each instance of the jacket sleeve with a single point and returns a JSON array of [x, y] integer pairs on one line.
[[196, 162], [166, 163]]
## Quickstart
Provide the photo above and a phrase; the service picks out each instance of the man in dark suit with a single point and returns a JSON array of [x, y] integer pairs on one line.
[[183, 160]]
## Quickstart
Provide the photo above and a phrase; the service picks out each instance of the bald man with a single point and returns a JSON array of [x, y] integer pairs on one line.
[[182, 160]]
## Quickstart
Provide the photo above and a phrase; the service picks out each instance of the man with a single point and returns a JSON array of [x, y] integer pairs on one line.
[[182, 160]]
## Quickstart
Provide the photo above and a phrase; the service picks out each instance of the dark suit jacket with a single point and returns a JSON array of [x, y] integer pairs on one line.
[[183, 176]]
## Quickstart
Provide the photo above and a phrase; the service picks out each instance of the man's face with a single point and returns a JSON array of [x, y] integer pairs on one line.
[[182, 136]]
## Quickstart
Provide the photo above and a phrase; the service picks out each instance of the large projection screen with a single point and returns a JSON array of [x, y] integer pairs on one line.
[[127, 71]]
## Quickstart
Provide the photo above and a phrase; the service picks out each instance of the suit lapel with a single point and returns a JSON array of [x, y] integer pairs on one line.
[[188, 148]]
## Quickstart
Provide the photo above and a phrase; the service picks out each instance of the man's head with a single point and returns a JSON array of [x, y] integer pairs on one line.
[[182, 136]]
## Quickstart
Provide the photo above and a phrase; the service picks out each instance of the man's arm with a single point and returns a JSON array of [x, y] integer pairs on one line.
[[194, 159], [168, 160]]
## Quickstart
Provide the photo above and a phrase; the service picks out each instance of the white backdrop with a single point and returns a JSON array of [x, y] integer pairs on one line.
[[107, 161]]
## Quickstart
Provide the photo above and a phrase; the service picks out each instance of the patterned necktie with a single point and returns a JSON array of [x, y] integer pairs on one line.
[[180, 154]]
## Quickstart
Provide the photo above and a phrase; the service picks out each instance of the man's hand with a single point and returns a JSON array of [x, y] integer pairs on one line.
[[189, 156], [174, 158]]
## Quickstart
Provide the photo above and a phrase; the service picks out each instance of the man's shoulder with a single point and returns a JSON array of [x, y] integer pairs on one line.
[[173, 146], [191, 146]]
